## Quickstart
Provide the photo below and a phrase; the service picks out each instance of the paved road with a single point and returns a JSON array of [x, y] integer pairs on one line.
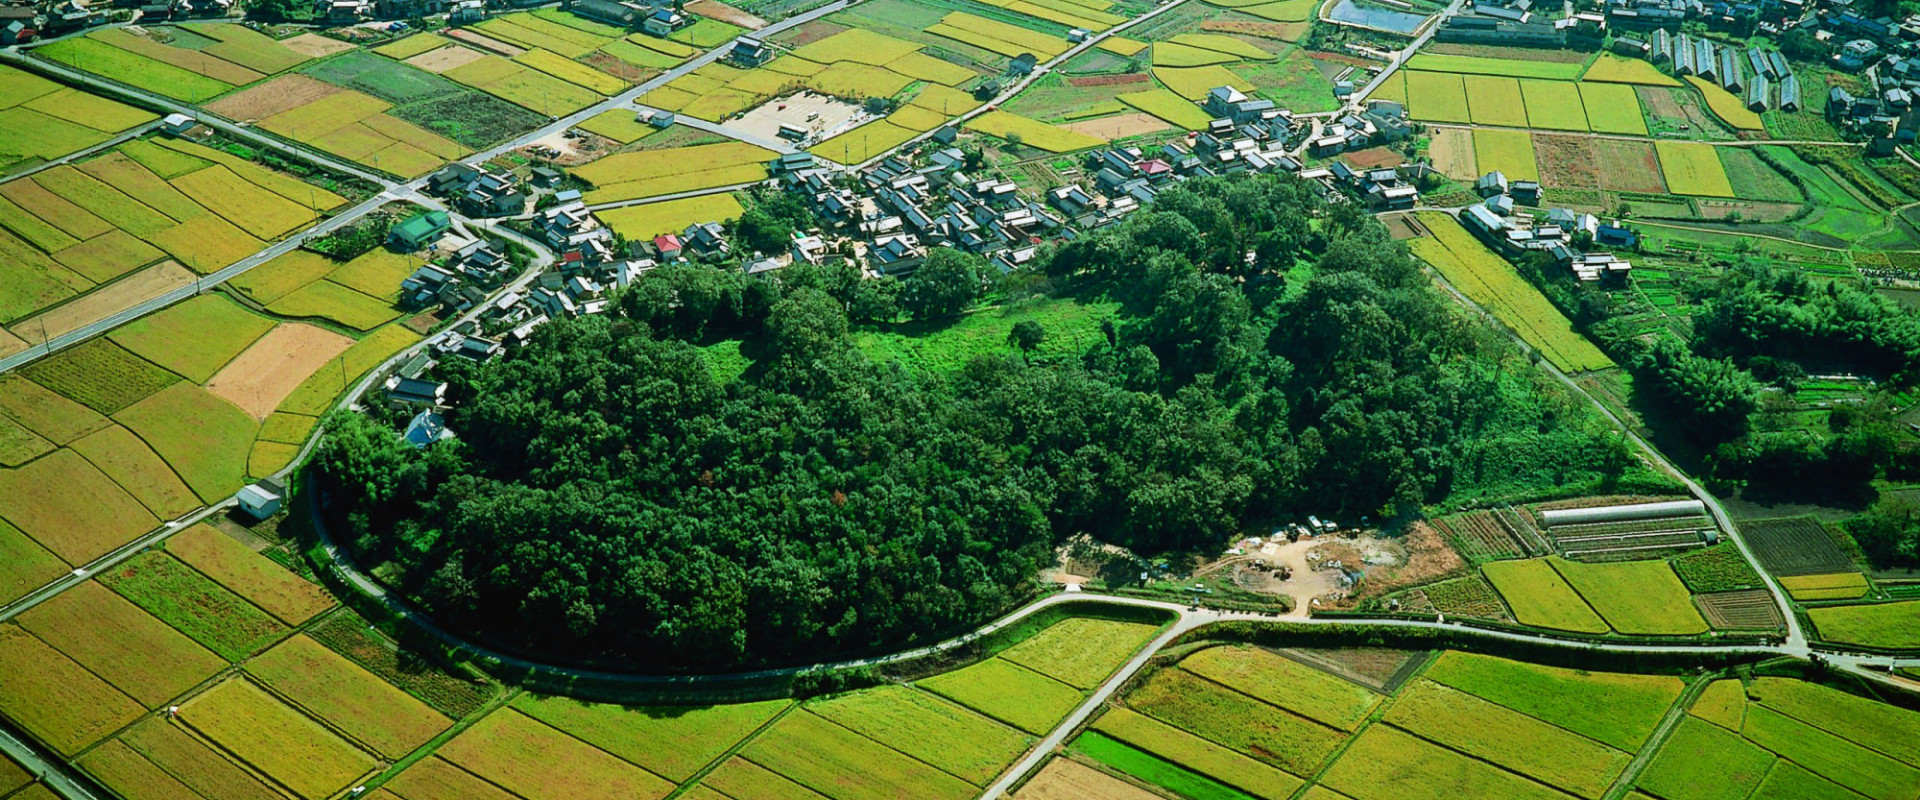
[[51, 771]]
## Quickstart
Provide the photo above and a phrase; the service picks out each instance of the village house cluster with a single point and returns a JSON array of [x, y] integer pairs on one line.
[[1580, 242]]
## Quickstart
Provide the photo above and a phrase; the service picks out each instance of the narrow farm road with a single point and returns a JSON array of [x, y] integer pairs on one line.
[[1676, 712]]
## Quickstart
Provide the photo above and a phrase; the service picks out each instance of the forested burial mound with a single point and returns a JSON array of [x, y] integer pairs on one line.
[[608, 496]]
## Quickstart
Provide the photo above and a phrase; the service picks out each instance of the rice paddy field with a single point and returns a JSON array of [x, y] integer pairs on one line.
[[192, 62], [1490, 281], [144, 209], [41, 120]]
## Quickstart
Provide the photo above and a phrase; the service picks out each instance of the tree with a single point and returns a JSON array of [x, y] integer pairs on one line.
[[1027, 335], [944, 285], [275, 10]]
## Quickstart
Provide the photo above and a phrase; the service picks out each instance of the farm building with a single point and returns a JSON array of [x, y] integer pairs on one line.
[[1660, 47], [1683, 55], [1759, 62], [1730, 70], [1706, 60], [1757, 93], [1789, 93], [749, 52], [1581, 516], [419, 230], [263, 499]]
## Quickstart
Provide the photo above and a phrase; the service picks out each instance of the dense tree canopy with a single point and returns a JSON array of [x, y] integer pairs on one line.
[[607, 496]]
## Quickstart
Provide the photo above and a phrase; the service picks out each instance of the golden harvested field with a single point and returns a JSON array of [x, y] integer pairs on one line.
[[24, 564], [435, 779], [1539, 596], [326, 300], [1007, 692], [275, 739], [262, 376], [865, 142], [1386, 764], [857, 45], [844, 765], [321, 682], [1509, 152], [40, 500], [316, 395], [129, 462], [56, 700], [195, 764], [127, 647], [958, 741], [281, 276], [1490, 281], [741, 779], [124, 770], [113, 297], [54, 418], [1830, 586], [1693, 168], [1066, 779], [204, 437], [516, 752], [249, 574], [259, 212], [1286, 683], [1081, 651], [1729, 108], [194, 338], [1610, 68]]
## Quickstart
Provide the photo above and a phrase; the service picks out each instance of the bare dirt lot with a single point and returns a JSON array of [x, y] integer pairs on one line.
[[111, 298], [1567, 162], [800, 111], [811, 32], [1119, 125], [272, 97], [315, 45], [1373, 158], [271, 368], [1284, 31], [445, 58], [1629, 166], [712, 9], [1452, 151], [1065, 779]]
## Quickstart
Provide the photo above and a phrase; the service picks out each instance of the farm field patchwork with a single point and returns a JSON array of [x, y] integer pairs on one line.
[[41, 120], [1080, 651], [55, 699], [1540, 596], [1493, 100], [1512, 68], [1507, 738], [1634, 597], [1489, 280], [127, 647], [1386, 764], [1252, 727], [844, 765], [1284, 682], [1148, 768], [1202, 756], [1832, 586], [194, 338], [673, 742], [38, 500], [1032, 132], [632, 175], [1007, 692], [958, 741], [266, 734], [192, 603], [322, 683], [249, 574], [516, 752], [1616, 709], [1437, 97]]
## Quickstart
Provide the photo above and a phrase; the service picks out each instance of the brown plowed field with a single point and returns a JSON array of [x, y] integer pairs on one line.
[[270, 369], [1627, 166], [1750, 609], [442, 59], [1567, 162], [1063, 779], [272, 97]]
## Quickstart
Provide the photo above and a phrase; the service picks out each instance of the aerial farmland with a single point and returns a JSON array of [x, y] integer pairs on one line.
[[959, 399]]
